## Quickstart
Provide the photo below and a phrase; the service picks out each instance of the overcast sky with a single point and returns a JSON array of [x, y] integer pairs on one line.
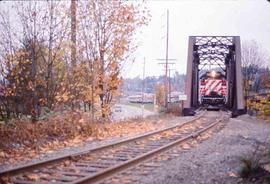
[[249, 19]]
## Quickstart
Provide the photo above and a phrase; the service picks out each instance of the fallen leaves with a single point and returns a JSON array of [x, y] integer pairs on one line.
[[66, 163], [155, 137], [59, 132], [185, 146], [168, 134], [267, 167], [115, 180], [81, 121], [32, 177], [5, 179], [75, 170], [203, 137], [2, 154], [232, 174]]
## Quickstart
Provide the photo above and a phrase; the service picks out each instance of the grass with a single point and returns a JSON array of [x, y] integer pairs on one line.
[[252, 167], [149, 107]]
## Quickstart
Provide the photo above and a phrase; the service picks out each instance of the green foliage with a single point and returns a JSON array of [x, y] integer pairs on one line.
[[249, 166], [253, 167]]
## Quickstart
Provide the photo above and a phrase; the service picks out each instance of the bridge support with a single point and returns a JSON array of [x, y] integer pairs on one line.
[[219, 51]]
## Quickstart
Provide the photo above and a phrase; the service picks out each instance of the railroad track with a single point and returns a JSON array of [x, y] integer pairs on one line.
[[99, 163]]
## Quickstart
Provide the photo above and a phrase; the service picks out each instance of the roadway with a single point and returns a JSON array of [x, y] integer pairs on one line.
[[128, 111]]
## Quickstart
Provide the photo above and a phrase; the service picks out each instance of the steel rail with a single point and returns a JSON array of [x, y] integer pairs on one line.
[[32, 166], [127, 164]]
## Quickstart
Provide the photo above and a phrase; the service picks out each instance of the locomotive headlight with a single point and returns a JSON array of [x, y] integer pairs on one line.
[[213, 73]]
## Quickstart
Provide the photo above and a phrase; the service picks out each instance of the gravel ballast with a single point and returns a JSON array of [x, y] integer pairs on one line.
[[217, 159], [213, 161]]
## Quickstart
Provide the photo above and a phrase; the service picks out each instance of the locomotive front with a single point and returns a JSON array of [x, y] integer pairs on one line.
[[213, 90]]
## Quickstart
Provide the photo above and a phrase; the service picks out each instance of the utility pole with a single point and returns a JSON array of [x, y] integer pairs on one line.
[[166, 80], [170, 89], [143, 86], [167, 47], [167, 63]]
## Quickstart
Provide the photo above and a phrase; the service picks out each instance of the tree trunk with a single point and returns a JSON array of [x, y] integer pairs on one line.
[[73, 11]]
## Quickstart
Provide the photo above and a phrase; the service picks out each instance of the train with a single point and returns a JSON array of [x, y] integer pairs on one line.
[[213, 90], [146, 98]]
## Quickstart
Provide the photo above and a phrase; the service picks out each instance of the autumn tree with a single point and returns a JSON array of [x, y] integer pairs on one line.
[[253, 59], [56, 47], [265, 78], [41, 39], [160, 94], [256, 77], [66, 54], [107, 40]]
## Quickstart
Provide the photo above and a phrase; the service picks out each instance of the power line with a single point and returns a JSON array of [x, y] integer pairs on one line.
[[167, 63]]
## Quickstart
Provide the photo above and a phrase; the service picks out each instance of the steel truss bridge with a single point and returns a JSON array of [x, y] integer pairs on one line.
[[222, 52]]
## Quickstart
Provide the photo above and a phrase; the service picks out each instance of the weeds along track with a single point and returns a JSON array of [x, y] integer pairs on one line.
[[96, 164]]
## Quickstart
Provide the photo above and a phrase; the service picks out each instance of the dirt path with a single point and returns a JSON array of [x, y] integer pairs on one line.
[[215, 160]]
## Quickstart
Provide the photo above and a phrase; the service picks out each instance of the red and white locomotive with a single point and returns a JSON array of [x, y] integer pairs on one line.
[[213, 89]]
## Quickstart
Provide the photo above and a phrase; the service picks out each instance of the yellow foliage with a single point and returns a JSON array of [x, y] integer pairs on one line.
[[261, 105], [160, 94]]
